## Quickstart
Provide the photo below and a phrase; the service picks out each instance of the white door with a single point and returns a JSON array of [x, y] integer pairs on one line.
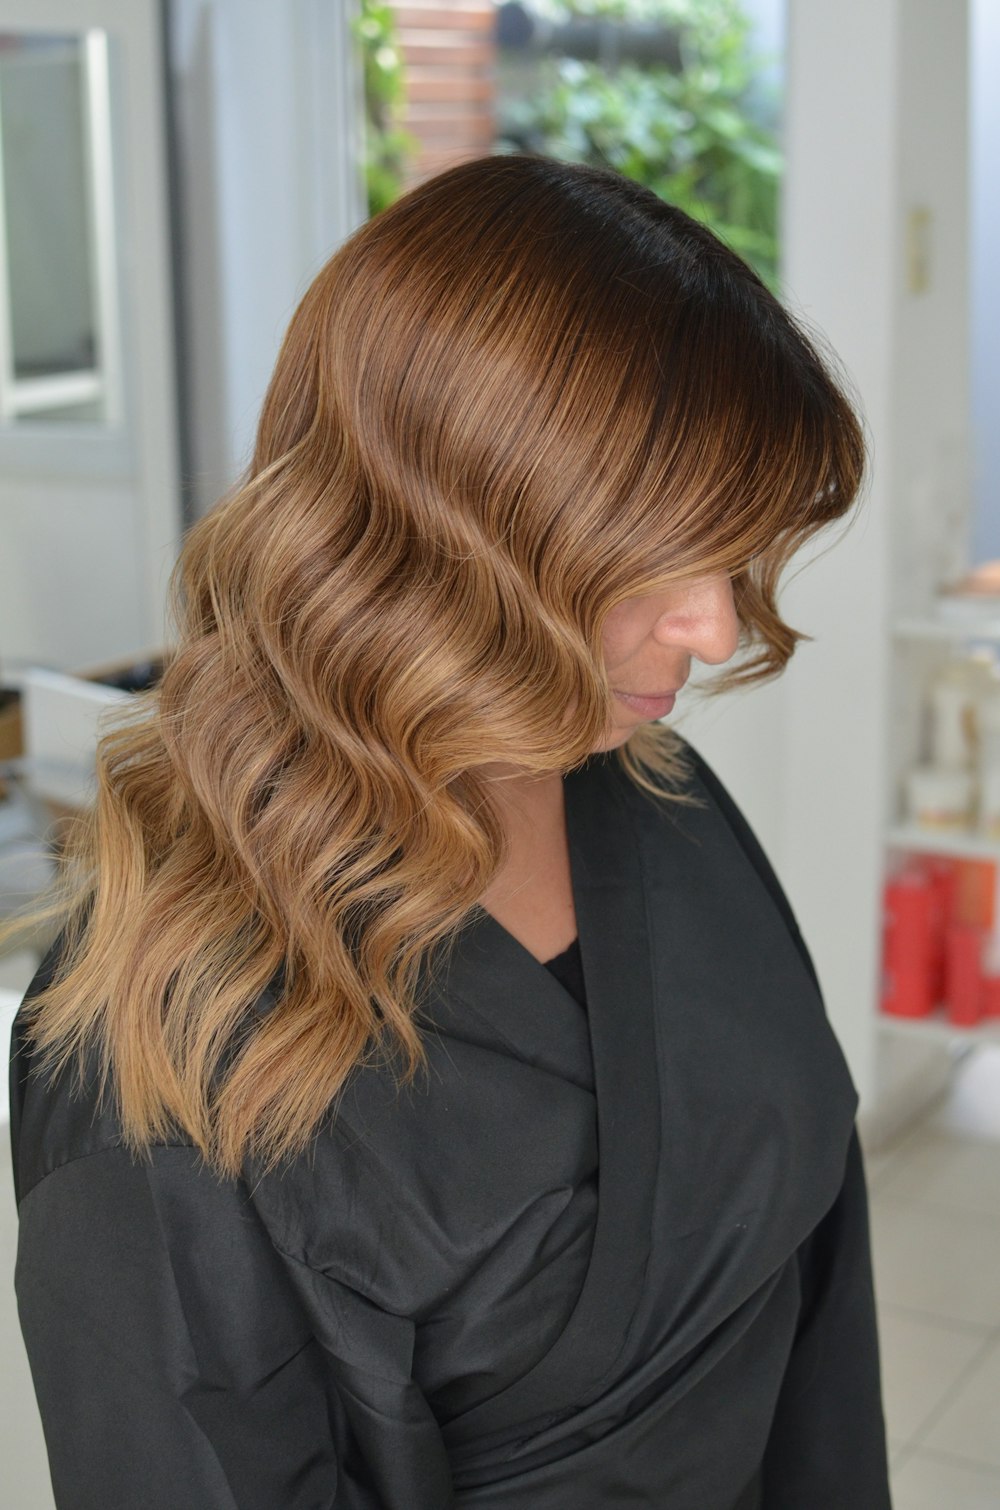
[[90, 515]]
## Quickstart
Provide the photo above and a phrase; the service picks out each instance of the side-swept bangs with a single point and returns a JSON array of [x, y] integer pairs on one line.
[[585, 385]]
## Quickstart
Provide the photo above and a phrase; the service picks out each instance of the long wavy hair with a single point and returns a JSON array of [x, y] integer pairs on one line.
[[523, 393]]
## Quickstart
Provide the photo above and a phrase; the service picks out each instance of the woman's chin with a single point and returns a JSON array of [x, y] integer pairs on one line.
[[616, 737]]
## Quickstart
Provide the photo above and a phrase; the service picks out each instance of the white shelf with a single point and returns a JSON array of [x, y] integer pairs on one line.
[[936, 1028], [924, 840], [988, 630]]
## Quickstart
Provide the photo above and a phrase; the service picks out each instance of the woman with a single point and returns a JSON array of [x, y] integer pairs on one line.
[[458, 1118]]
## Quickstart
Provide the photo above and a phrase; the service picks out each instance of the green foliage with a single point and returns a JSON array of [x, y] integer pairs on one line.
[[693, 135], [387, 146]]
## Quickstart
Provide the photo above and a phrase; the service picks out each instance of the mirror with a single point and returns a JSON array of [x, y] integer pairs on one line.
[[59, 349]]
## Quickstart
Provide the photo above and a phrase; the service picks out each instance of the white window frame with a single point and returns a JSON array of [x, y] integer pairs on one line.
[[34, 396]]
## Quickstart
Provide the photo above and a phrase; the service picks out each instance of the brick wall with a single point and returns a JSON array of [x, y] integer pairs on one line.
[[449, 55]]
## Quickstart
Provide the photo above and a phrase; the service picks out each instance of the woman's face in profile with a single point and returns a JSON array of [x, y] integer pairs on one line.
[[649, 642]]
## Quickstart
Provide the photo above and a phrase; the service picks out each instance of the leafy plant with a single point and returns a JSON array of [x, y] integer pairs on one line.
[[695, 135], [387, 145]]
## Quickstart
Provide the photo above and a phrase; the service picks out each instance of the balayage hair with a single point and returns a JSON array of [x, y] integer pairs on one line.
[[524, 392]]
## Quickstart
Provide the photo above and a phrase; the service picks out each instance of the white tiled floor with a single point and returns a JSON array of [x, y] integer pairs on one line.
[[935, 1212]]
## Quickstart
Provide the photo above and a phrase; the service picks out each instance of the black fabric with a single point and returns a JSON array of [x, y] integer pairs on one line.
[[601, 1258], [567, 968]]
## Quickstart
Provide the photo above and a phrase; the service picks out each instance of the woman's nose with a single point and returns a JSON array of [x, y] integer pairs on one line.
[[703, 620]]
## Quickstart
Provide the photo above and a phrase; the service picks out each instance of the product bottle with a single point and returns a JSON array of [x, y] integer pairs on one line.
[[963, 989], [952, 703], [911, 959], [940, 797]]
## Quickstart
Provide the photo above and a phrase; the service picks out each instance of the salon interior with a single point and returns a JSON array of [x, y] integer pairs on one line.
[[172, 175]]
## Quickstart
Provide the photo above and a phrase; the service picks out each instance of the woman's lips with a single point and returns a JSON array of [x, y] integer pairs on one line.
[[649, 707]]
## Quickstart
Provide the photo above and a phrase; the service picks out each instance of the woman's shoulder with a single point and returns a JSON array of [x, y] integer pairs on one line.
[[56, 1117], [373, 1201], [74, 1171], [61, 1117], [717, 819]]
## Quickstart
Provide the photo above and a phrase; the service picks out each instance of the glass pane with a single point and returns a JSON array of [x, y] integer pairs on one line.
[[50, 271], [682, 95]]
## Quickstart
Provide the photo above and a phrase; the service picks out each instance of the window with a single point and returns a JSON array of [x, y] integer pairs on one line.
[[58, 336]]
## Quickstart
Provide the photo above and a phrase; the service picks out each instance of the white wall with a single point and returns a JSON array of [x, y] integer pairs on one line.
[[269, 178], [91, 515], [985, 302], [876, 129], [71, 571]]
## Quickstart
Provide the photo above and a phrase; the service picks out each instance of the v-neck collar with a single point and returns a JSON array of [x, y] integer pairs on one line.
[[493, 975], [572, 948]]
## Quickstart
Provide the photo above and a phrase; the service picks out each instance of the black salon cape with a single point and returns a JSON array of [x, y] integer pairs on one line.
[[611, 1257]]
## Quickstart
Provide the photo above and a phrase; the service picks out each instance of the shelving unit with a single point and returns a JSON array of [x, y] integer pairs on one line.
[[955, 636], [986, 632], [850, 713], [910, 836], [936, 1028]]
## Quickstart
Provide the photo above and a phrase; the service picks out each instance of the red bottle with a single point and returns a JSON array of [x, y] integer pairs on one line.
[[944, 879], [975, 892], [911, 963], [991, 995], [963, 988]]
